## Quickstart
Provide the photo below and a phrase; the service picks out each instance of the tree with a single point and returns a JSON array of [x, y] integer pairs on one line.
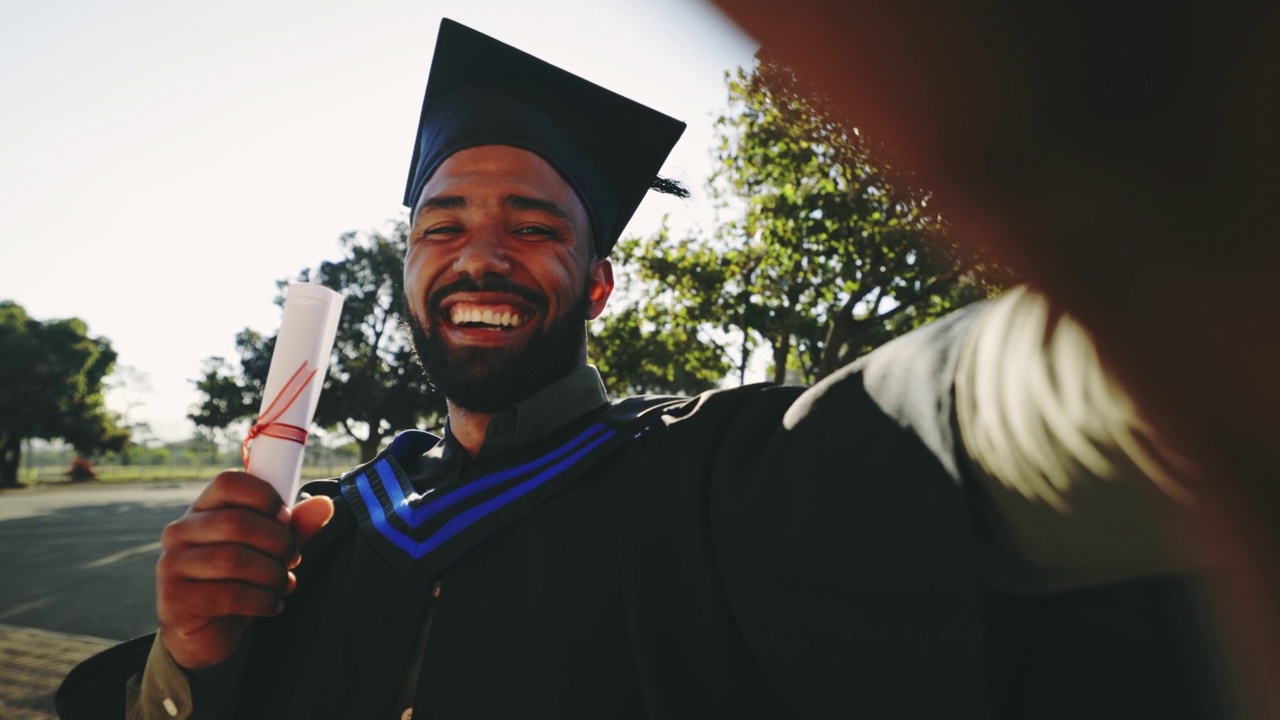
[[127, 386], [825, 253], [51, 386], [644, 344], [637, 357], [374, 386]]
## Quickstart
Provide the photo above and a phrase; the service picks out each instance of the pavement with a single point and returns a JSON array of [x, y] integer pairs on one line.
[[78, 564], [84, 558], [32, 665]]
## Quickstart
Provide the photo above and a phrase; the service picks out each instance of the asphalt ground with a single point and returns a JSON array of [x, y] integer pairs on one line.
[[77, 575], [32, 665]]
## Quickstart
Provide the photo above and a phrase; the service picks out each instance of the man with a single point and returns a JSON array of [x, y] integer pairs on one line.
[[868, 547]]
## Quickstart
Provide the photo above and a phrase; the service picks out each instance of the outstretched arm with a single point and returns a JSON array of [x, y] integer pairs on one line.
[[1073, 486]]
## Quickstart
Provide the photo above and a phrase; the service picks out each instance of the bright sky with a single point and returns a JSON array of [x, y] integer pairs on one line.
[[164, 163]]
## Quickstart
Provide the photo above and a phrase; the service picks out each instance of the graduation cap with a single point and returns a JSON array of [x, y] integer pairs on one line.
[[484, 92]]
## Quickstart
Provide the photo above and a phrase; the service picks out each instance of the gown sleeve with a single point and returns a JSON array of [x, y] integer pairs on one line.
[[1072, 487]]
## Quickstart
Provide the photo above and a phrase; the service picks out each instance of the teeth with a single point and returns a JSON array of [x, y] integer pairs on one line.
[[462, 315]]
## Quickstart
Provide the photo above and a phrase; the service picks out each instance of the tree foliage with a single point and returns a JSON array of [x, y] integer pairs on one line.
[[374, 386], [127, 386], [646, 345], [822, 251], [51, 387]]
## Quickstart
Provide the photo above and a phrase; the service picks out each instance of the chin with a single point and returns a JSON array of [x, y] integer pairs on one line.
[[491, 379]]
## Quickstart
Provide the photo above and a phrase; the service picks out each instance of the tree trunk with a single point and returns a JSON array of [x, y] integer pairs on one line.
[[837, 337], [781, 350], [841, 328], [10, 453], [369, 447]]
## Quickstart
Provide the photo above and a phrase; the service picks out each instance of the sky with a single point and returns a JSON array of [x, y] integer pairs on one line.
[[164, 164]]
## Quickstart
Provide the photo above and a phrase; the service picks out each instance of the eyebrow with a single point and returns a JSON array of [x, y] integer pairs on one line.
[[520, 202], [442, 202], [517, 202]]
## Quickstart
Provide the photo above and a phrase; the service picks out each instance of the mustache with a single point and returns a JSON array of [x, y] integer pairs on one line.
[[489, 285]]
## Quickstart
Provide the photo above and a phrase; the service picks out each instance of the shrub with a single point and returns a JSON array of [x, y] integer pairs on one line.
[[81, 470]]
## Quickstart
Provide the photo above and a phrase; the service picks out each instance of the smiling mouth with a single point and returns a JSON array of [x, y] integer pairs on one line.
[[484, 316]]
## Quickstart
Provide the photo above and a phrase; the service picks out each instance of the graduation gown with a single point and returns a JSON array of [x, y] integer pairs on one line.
[[756, 552]]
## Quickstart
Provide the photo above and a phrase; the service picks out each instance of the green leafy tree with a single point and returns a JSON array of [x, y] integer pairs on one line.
[[127, 386], [51, 386], [822, 253], [231, 393], [378, 384], [646, 345], [374, 386], [635, 356]]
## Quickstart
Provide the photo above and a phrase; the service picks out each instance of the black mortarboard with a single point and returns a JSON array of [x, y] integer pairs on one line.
[[484, 92]]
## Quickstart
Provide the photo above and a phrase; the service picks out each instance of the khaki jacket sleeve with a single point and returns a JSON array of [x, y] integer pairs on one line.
[[164, 691]]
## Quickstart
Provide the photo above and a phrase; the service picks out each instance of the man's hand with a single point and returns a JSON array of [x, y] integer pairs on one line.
[[227, 561]]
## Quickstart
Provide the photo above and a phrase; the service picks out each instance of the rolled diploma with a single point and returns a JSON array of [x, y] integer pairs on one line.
[[307, 331]]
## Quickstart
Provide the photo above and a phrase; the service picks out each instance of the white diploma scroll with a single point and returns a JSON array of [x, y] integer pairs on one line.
[[298, 367]]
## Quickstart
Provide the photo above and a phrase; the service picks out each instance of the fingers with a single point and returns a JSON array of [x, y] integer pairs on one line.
[[194, 604], [231, 525], [186, 575], [238, 489], [310, 516], [237, 563], [227, 560]]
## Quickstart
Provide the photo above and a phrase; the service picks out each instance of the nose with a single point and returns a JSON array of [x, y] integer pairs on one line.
[[484, 253]]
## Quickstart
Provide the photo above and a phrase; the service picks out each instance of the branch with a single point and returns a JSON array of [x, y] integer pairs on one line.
[[721, 349], [875, 305], [849, 355], [839, 332], [347, 427], [928, 290], [380, 323]]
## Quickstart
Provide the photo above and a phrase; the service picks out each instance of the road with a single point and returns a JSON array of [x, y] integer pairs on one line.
[[78, 563], [81, 559]]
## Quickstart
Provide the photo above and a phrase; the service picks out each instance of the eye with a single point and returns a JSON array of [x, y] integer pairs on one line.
[[536, 231], [442, 231]]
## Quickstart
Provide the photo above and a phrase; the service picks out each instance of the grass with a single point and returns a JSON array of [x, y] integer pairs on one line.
[[156, 473]]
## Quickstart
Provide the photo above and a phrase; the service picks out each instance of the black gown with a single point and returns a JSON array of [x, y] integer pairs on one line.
[[756, 552]]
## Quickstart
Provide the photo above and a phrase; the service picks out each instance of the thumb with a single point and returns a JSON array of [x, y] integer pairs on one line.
[[309, 516]]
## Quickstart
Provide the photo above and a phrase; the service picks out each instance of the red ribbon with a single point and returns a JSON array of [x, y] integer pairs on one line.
[[267, 425]]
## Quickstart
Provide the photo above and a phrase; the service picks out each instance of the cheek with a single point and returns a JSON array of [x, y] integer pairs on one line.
[[569, 274], [416, 277], [568, 286]]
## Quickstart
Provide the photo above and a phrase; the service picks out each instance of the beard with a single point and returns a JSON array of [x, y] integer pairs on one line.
[[489, 380]]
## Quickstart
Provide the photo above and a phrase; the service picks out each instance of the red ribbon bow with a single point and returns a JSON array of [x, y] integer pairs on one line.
[[267, 425]]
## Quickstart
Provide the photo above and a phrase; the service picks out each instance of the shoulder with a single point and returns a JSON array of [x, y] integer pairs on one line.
[[339, 527], [907, 383], [328, 487], [699, 433], [718, 411], [898, 398]]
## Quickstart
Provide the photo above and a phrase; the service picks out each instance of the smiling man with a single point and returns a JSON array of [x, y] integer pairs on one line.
[[905, 539], [500, 278]]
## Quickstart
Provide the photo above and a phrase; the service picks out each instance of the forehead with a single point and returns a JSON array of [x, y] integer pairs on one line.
[[500, 169]]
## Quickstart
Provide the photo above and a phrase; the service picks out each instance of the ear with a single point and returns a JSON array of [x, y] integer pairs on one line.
[[599, 287]]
